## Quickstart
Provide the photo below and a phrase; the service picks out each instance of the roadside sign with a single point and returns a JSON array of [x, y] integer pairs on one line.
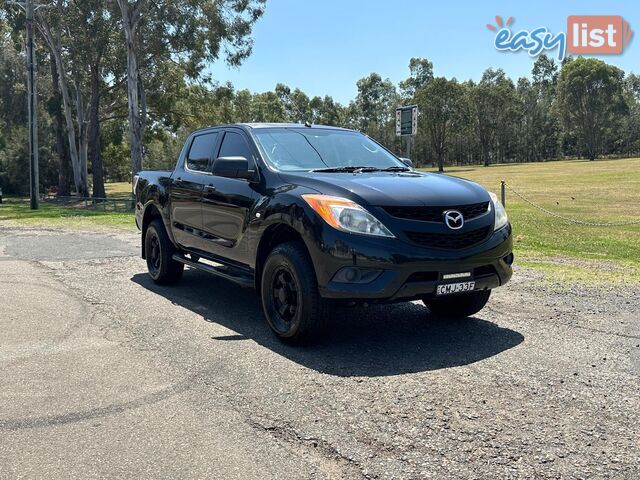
[[407, 120]]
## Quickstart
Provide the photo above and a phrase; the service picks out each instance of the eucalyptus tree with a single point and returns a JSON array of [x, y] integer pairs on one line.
[[631, 130], [420, 73], [13, 114], [590, 100], [373, 110], [242, 106], [495, 113], [443, 108], [85, 62], [326, 111], [267, 107], [96, 62], [548, 128], [190, 33], [54, 28]]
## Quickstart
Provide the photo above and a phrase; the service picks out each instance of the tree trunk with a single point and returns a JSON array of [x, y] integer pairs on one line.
[[58, 125], [130, 22], [71, 131], [143, 106], [82, 140], [95, 154], [55, 48]]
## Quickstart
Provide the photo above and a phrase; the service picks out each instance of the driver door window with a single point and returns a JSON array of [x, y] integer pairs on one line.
[[235, 145]]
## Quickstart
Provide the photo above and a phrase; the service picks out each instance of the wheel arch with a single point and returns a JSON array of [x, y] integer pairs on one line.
[[275, 234], [151, 212]]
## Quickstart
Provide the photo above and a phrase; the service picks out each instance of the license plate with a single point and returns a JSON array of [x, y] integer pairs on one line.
[[450, 288]]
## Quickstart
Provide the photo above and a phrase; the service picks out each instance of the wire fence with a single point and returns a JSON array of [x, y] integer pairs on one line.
[[127, 204], [110, 204], [575, 221]]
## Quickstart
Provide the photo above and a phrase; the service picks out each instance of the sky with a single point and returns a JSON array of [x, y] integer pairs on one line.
[[324, 46]]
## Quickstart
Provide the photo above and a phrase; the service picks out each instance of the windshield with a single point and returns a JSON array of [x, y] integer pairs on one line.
[[304, 149]]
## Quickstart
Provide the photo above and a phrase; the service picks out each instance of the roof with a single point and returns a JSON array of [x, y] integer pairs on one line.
[[288, 125], [273, 125], [257, 126]]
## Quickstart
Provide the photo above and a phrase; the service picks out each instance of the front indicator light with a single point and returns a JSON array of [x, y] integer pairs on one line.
[[346, 215]]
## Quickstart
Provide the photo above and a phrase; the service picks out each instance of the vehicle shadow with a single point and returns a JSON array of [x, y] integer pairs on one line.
[[375, 341]]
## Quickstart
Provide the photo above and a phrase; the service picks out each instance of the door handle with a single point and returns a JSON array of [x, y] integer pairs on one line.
[[209, 188]]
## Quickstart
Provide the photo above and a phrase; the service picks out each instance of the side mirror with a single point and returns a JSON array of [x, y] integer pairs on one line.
[[407, 162], [233, 167]]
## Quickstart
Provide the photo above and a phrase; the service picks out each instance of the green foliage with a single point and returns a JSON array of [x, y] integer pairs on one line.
[[591, 102], [420, 73], [444, 107], [373, 110]]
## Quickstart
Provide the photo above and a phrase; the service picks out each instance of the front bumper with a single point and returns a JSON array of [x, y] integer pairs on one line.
[[407, 271]]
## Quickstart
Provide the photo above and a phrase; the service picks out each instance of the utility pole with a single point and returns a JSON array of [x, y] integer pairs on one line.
[[34, 176], [32, 101]]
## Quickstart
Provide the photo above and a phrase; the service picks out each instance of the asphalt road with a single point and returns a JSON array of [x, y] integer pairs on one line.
[[105, 375]]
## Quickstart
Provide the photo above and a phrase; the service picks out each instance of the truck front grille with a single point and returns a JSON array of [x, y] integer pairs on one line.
[[434, 214], [451, 241]]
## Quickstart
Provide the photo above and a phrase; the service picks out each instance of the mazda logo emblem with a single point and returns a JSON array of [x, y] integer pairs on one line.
[[453, 219]]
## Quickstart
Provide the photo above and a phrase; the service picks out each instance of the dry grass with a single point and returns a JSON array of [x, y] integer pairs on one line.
[[118, 189]]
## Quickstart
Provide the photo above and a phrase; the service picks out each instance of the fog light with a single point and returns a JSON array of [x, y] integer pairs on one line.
[[356, 275], [352, 274], [508, 259]]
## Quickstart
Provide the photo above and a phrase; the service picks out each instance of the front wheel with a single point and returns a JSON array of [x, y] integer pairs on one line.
[[292, 305], [458, 306], [159, 250]]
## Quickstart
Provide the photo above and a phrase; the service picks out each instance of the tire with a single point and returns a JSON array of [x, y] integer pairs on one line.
[[290, 299], [458, 306], [163, 269]]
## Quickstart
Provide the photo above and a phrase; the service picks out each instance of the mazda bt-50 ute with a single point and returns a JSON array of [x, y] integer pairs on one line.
[[314, 217]]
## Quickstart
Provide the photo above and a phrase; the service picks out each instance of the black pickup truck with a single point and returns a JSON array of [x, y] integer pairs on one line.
[[314, 217]]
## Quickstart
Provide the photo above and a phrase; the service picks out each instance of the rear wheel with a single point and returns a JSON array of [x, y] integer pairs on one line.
[[292, 305], [159, 250], [458, 306]]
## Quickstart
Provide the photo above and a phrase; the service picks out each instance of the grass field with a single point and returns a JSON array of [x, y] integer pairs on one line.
[[600, 191], [16, 211]]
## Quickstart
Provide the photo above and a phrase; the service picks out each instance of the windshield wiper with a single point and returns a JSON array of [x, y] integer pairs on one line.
[[396, 169], [348, 169]]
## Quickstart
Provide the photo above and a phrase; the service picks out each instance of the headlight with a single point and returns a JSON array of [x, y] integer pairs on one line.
[[345, 215], [501, 213]]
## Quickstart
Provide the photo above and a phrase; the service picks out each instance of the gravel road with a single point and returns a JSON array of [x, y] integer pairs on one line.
[[105, 375]]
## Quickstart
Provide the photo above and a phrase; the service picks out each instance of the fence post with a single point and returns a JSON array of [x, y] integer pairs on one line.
[[503, 193]]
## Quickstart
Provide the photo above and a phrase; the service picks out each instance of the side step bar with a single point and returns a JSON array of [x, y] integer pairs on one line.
[[228, 273]]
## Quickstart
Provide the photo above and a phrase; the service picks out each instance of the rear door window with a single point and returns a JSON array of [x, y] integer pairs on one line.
[[201, 151]]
